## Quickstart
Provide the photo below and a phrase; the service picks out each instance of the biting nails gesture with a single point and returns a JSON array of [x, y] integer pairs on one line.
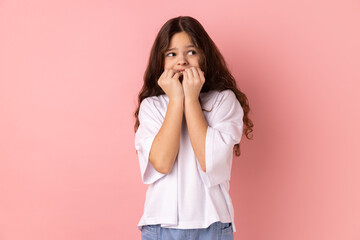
[[192, 83], [170, 84]]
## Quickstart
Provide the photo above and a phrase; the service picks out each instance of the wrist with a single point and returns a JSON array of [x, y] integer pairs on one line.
[[191, 101], [177, 100]]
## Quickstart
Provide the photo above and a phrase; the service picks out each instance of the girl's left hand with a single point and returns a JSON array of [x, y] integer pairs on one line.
[[193, 80]]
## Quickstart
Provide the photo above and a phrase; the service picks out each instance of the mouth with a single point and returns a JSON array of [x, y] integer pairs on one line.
[[181, 77]]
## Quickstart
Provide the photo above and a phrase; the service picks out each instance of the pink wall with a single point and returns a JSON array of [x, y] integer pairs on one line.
[[69, 75]]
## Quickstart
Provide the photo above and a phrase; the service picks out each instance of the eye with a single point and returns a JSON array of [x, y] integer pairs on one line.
[[169, 54], [192, 52]]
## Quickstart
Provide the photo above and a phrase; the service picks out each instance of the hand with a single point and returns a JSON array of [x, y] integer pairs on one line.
[[170, 84], [192, 83]]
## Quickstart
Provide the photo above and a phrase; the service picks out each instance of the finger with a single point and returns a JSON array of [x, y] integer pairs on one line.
[[170, 73], [195, 73], [189, 73], [176, 75], [164, 73], [185, 76], [201, 74]]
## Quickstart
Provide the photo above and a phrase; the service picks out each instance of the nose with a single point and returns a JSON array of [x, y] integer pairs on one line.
[[182, 60]]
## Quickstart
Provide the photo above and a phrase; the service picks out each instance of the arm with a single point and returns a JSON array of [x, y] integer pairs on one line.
[[224, 131], [166, 143], [197, 127]]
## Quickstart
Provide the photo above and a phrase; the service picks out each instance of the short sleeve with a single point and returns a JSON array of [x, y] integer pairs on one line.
[[150, 123], [224, 131]]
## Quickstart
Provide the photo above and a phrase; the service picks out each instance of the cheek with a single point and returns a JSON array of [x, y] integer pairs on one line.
[[196, 62], [167, 64]]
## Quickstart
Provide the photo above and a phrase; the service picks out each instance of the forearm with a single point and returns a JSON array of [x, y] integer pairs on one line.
[[166, 143], [197, 127]]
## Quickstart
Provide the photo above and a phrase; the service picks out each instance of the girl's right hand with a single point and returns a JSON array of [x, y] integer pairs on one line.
[[170, 84]]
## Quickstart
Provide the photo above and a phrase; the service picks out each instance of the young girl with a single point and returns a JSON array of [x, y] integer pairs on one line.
[[189, 121]]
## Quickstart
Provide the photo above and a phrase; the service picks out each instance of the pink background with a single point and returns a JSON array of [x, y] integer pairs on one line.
[[70, 72]]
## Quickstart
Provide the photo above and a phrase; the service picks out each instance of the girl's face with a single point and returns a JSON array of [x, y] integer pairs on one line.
[[181, 53]]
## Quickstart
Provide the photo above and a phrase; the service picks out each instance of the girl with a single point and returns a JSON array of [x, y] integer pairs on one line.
[[189, 121]]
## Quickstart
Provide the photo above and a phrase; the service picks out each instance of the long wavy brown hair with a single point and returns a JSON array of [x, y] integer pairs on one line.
[[212, 63]]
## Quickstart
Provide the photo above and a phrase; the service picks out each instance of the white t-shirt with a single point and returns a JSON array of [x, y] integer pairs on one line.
[[188, 197]]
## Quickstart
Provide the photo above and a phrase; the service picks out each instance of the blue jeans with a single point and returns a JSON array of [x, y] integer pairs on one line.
[[216, 231]]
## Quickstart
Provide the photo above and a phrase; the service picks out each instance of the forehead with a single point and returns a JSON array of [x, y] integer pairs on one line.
[[181, 38]]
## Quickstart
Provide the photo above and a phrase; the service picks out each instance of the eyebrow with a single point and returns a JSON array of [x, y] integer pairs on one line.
[[188, 46]]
